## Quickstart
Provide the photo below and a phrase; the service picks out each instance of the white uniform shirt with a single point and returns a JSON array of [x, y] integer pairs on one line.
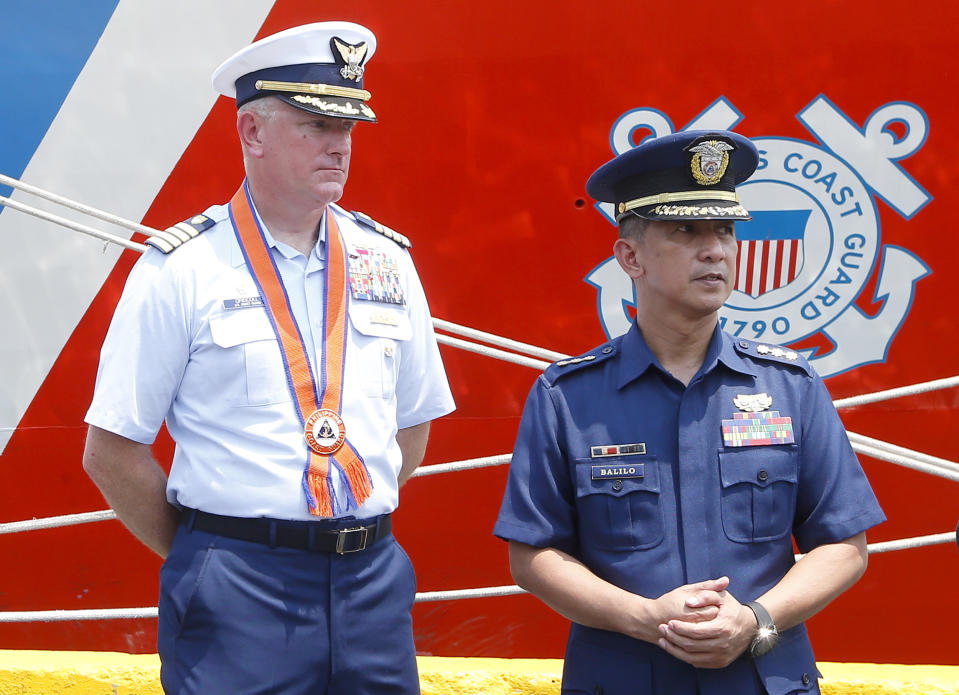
[[190, 343]]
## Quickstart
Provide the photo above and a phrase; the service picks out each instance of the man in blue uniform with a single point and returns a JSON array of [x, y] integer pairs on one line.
[[288, 346], [659, 480]]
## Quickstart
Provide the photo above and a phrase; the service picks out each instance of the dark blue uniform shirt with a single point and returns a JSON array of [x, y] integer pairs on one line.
[[622, 466]]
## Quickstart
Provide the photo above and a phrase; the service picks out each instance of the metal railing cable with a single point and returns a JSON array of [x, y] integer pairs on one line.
[[499, 341], [69, 224], [495, 353], [78, 207], [899, 392], [56, 521], [466, 465], [910, 543], [421, 597], [901, 456]]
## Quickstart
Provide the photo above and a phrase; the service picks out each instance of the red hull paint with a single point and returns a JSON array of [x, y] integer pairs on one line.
[[492, 115]]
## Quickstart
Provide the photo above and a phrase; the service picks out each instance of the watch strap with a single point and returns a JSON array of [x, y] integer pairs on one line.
[[763, 619], [767, 635]]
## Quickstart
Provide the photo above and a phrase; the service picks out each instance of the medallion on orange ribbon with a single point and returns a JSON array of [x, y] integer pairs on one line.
[[325, 431]]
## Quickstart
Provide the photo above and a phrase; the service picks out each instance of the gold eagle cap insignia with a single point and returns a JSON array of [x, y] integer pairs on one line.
[[353, 57], [753, 402], [710, 161]]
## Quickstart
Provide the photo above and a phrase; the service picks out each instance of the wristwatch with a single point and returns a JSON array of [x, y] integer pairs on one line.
[[767, 635]]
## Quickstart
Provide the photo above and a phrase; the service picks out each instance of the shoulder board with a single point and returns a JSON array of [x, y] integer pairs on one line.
[[573, 364], [177, 235], [368, 221], [773, 353]]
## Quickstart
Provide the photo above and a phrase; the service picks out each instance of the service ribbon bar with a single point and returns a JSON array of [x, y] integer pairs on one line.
[[758, 429]]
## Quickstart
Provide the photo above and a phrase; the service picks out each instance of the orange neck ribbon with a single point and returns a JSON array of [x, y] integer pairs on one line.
[[317, 405]]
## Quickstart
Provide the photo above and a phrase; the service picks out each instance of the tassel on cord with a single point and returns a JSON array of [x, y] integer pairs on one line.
[[319, 490], [359, 478], [345, 484]]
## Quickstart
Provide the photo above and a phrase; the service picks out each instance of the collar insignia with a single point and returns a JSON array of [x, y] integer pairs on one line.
[[753, 402], [777, 352], [353, 57], [710, 161]]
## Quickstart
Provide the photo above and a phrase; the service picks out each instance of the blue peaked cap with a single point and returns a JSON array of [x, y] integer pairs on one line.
[[684, 176]]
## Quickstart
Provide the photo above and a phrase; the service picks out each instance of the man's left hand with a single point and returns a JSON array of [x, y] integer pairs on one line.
[[713, 643]]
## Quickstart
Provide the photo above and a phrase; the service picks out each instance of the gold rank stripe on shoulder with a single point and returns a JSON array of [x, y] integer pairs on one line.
[[174, 237], [382, 229], [575, 360]]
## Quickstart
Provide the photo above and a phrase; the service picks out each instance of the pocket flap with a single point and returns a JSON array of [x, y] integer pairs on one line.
[[759, 465], [241, 326]]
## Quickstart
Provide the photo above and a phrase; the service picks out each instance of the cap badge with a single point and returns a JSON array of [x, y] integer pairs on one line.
[[353, 56], [710, 161], [753, 402]]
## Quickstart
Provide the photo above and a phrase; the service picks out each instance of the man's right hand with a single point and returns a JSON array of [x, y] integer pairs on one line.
[[134, 485]]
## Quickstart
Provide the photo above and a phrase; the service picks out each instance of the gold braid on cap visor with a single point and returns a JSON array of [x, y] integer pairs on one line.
[[679, 196], [327, 90]]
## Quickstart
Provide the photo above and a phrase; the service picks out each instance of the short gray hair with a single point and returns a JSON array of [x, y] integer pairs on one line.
[[265, 107]]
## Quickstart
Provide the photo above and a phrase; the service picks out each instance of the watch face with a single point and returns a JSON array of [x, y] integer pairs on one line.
[[766, 638]]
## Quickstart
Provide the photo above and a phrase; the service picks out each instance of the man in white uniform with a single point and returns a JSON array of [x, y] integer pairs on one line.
[[288, 346]]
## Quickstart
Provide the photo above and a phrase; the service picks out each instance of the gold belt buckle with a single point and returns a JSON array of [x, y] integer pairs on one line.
[[341, 539]]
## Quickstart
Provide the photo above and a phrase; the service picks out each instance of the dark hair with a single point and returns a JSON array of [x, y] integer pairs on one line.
[[632, 226]]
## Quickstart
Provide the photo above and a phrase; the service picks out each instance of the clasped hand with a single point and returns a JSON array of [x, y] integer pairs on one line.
[[703, 624]]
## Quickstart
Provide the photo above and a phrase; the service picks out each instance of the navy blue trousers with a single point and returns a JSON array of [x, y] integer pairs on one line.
[[241, 618]]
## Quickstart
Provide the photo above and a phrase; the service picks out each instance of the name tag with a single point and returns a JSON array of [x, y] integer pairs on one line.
[[242, 302], [636, 470]]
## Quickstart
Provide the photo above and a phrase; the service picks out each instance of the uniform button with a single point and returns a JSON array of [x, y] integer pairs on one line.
[[805, 679], [617, 485], [388, 350], [607, 350], [763, 476], [743, 344]]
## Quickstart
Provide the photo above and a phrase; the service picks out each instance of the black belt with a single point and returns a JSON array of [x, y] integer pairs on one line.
[[315, 536]]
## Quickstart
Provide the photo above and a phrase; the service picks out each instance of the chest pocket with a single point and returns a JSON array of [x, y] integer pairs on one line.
[[620, 513], [249, 341], [758, 491], [381, 330]]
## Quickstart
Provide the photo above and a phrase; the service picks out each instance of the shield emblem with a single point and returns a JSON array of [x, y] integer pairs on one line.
[[770, 250]]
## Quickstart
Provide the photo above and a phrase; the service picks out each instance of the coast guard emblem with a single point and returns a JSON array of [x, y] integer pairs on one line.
[[353, 57], [709, 161], [813, 247]]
